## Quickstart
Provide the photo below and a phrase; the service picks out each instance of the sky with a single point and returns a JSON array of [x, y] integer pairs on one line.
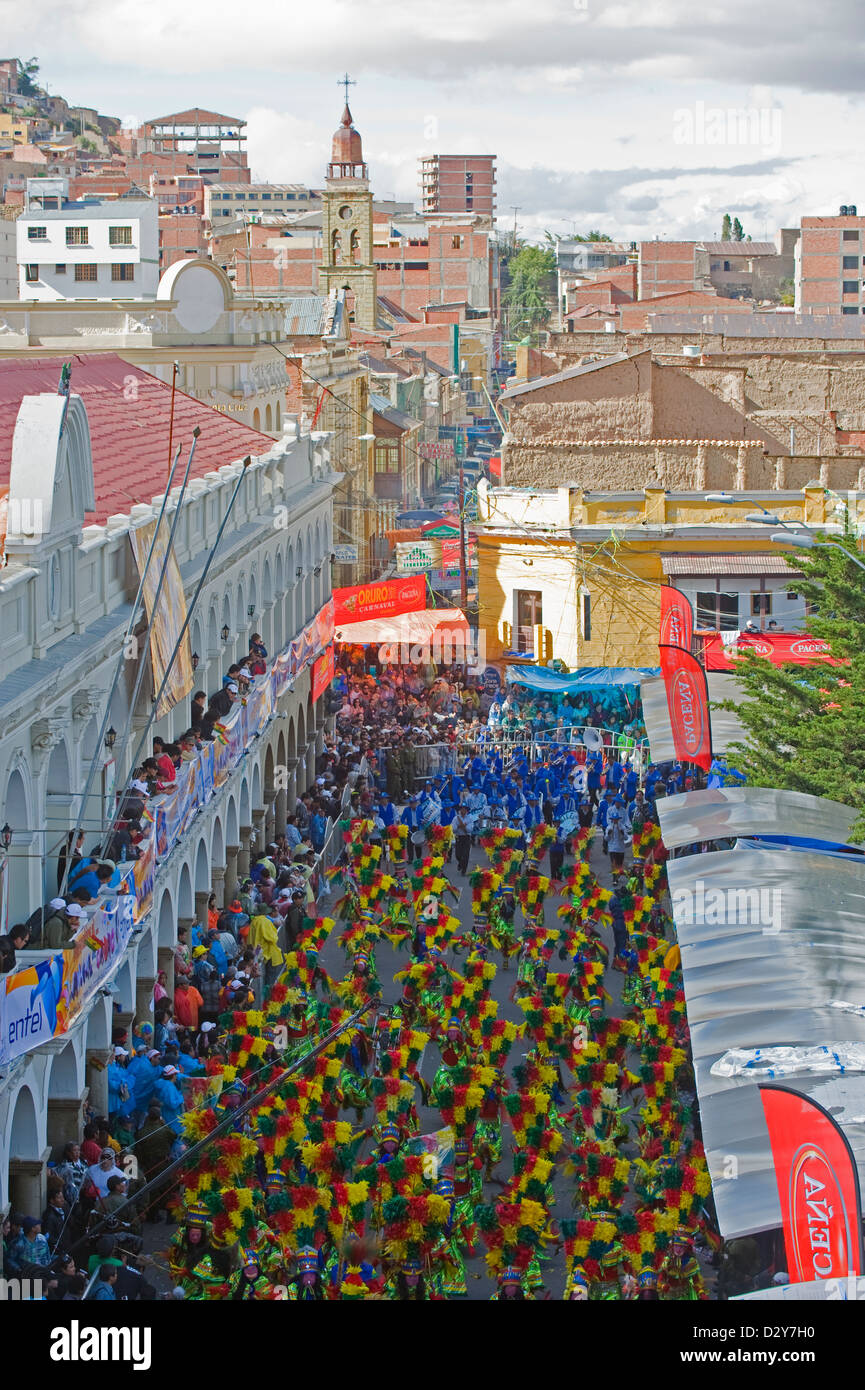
[[639, 118]]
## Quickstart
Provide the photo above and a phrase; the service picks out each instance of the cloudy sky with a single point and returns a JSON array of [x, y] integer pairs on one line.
[[640, 117]]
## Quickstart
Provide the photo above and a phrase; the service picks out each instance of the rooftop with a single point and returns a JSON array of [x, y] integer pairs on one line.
[[196, 115], [129, 412]]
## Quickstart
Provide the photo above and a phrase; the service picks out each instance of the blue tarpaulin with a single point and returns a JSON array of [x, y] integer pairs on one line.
[[552, 683]]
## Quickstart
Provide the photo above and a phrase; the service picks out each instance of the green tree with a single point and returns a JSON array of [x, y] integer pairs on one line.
[[532, 283], [593, 236], [27, 78], [726, 228], [738, 233], [805, 727]]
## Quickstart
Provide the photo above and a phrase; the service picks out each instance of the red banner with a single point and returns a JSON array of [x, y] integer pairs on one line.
[[322, 673], [797, 647], [688, 703], [383, 600], [818, 1185], [677, 619]]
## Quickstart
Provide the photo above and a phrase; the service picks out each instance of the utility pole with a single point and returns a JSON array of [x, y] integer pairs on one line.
[[464, 584], [515, 210]]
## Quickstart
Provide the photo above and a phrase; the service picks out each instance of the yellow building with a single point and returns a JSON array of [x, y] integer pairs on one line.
[[14, 128], [576, 575]]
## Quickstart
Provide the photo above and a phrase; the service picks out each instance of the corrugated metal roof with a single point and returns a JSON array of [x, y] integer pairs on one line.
[[726, 564], [305, 316], [382, 406], [740, 248]]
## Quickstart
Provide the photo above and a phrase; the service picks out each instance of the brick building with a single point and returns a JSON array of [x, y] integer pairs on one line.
[[670, 267], [830, 265], [458, 183]]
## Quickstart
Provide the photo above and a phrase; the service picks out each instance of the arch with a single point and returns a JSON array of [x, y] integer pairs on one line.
[[202, 868], [145, 961], [301, 733], [278, 576], [196, 641], [98, 1033], [253, 595], [24, 1131], [217, 844], [212, 633], [58, 809], [354, 248], [268, 418], [277, 419], [226, 618], [185, 894], [280, 750], [64, 1081], [335, 247], [241, 620], [256, 787], [292, 739], [245, 810], [256, 419], [268, 770], [232, 832], [167, 920], [267, 584], [125, 983], [17, 803]]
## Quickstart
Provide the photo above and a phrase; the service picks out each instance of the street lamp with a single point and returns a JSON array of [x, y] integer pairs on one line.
[[195, 660], [226, 632], [250, 610], [809, 543], [110, 737], [6, 836]]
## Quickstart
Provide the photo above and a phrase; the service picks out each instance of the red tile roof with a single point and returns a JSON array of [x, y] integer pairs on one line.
[[129, 414], [196, 115]]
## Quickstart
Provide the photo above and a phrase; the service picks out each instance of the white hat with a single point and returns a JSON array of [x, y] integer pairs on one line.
[[206, 1027], [154, 1053], [120, 1052], [73, 910], [57, 904], [169, 1071], [137, 785], [246, 673], [232, 686]]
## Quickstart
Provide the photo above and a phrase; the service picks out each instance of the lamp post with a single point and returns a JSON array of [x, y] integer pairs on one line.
[[809, 543]]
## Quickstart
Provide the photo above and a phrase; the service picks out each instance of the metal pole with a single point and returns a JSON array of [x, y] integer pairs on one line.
[[156, 597], [130, 628], [464, 592], [190, 610]]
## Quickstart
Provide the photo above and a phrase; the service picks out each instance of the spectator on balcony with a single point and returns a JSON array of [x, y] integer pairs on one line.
[[222, 702], [92, 874], [188, 747], [59, 928], [73, 851], [15, 941], [257, 647]]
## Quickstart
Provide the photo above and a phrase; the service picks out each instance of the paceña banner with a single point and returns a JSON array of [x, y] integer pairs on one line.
[[688, 703], [677, 619]]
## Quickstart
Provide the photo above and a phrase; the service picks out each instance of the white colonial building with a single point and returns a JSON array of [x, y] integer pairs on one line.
[[66, 593]]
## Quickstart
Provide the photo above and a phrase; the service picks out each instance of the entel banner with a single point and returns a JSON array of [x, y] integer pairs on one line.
[[677, 618], [818, 1185], [797, 647], [688, 703], [383, 600]]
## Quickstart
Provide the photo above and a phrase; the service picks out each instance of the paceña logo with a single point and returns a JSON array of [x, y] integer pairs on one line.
[[76, 1343]]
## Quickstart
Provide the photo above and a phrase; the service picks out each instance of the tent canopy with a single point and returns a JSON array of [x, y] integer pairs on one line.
[[730, 811], [726, 728], [418, 627], [555, 683], [772, 947]]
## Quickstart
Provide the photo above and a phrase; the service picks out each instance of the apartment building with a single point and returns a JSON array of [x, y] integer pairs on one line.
[[671, 267], [459, 183], [830, 265], [89, 250], [226, 200]]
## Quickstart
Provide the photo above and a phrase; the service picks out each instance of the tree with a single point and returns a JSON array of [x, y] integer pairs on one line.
[[593, 236], [26, 77], [738, 233], [726, 228], [805, 727]]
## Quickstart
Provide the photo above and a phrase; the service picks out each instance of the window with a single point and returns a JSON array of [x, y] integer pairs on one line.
[[720, 612], [850, 286], [386, 457], [849, 262], [86, 272], [586, 615], [122, 272], [31, 274], [77, 236], [60, 270], [119, 236], [792, 596], [761, 605], [37, 233], [456, 242], [849, 309], [529, 616], [849, 236], [265, 197]]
